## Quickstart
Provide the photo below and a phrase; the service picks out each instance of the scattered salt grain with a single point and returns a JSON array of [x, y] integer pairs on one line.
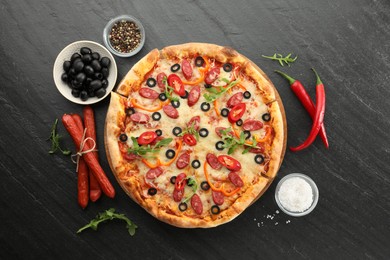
[[295, 194]]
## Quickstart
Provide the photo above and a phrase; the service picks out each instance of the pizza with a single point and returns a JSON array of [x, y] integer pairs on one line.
[[195, 133]]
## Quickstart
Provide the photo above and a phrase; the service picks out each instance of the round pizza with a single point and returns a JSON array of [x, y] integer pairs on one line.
[[195, 133]]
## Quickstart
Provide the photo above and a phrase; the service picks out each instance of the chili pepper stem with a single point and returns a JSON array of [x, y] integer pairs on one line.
[[318, 77], [284, 75]]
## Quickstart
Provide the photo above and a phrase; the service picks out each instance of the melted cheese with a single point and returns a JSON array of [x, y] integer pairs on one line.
[[250, 171]]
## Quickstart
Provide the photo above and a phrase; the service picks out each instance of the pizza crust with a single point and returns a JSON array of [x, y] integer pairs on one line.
[[126, 172], [136, 75]]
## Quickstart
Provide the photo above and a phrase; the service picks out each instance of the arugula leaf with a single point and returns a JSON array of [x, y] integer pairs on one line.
[[109, 215], [194, 186], [55, 140], [231, 142], [280, 59], [169, 90], [143, 150], [190, 130], [215, 93]]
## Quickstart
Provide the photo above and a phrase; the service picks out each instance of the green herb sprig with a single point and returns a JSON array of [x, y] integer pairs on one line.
[[232, 143], [55, 140], [215, 92], [194, 186], [190, 130], [109, 215], [144, 150], [169, 91], [281, 59]]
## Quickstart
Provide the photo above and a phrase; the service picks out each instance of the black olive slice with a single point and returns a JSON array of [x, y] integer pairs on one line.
[[185, 95], [266, 117], [239, 122], [189, 183], [247, 134], [219, 145], [199, 61], [123, 137], [175, 67], [207, 85], [129, 111], [162, 97], [259, 159], [227, 67], [195, 164], [183, 206], [224, 112], [173, 179], [205, 185], [170, 153], [151, 82], [247, 94], [152, 191], [176, 131], [205, 106], [158, 132], [156, 116], [175, 103], [215, 209], [203, 132]]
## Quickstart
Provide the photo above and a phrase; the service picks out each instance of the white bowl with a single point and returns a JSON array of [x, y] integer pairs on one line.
[[66, 53], [107, 30], [313, 186]]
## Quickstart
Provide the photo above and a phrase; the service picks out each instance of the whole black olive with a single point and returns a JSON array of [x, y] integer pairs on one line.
[[80, 77], [95, 84], [66, 65], [100, 92], [98, 75], [74, 56], [77, 85], [85, 50], [78, 65], [95, 64], [87, 82], [64, 77], [91, 93], [104, 83], [89, 70], [105, 62], [84, 95], [95, 56], [72, 72], [105, 72], [76, 93], [87, 58]]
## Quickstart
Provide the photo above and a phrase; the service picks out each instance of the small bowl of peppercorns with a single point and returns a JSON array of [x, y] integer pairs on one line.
[[124, 36]]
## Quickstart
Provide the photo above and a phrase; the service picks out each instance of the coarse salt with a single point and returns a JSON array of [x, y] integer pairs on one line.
[[296, 194]]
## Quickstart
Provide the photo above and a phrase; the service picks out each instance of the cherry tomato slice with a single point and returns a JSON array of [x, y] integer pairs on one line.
[[147, 137], [180, 182], [236, 112], [229, 162], [175, 82], [189, 139]]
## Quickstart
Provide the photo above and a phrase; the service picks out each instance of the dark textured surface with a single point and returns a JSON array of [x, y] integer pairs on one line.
[[348, 42]]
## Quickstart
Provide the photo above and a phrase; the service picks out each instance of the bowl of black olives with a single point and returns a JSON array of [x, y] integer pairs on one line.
[[85, 72]]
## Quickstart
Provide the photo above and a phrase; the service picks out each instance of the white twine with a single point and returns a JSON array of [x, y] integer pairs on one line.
[[81, 152]]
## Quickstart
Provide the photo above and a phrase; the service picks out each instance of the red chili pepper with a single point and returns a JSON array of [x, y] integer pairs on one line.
[[318, 118], [300, 91]]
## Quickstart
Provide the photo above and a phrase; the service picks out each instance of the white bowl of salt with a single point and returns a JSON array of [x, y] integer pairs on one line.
[[296, 194]]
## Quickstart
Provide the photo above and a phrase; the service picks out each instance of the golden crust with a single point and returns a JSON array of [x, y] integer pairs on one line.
[[135, 76], [126, 173]]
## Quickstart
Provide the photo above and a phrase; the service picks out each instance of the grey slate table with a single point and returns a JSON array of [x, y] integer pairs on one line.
[[348, 42]]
